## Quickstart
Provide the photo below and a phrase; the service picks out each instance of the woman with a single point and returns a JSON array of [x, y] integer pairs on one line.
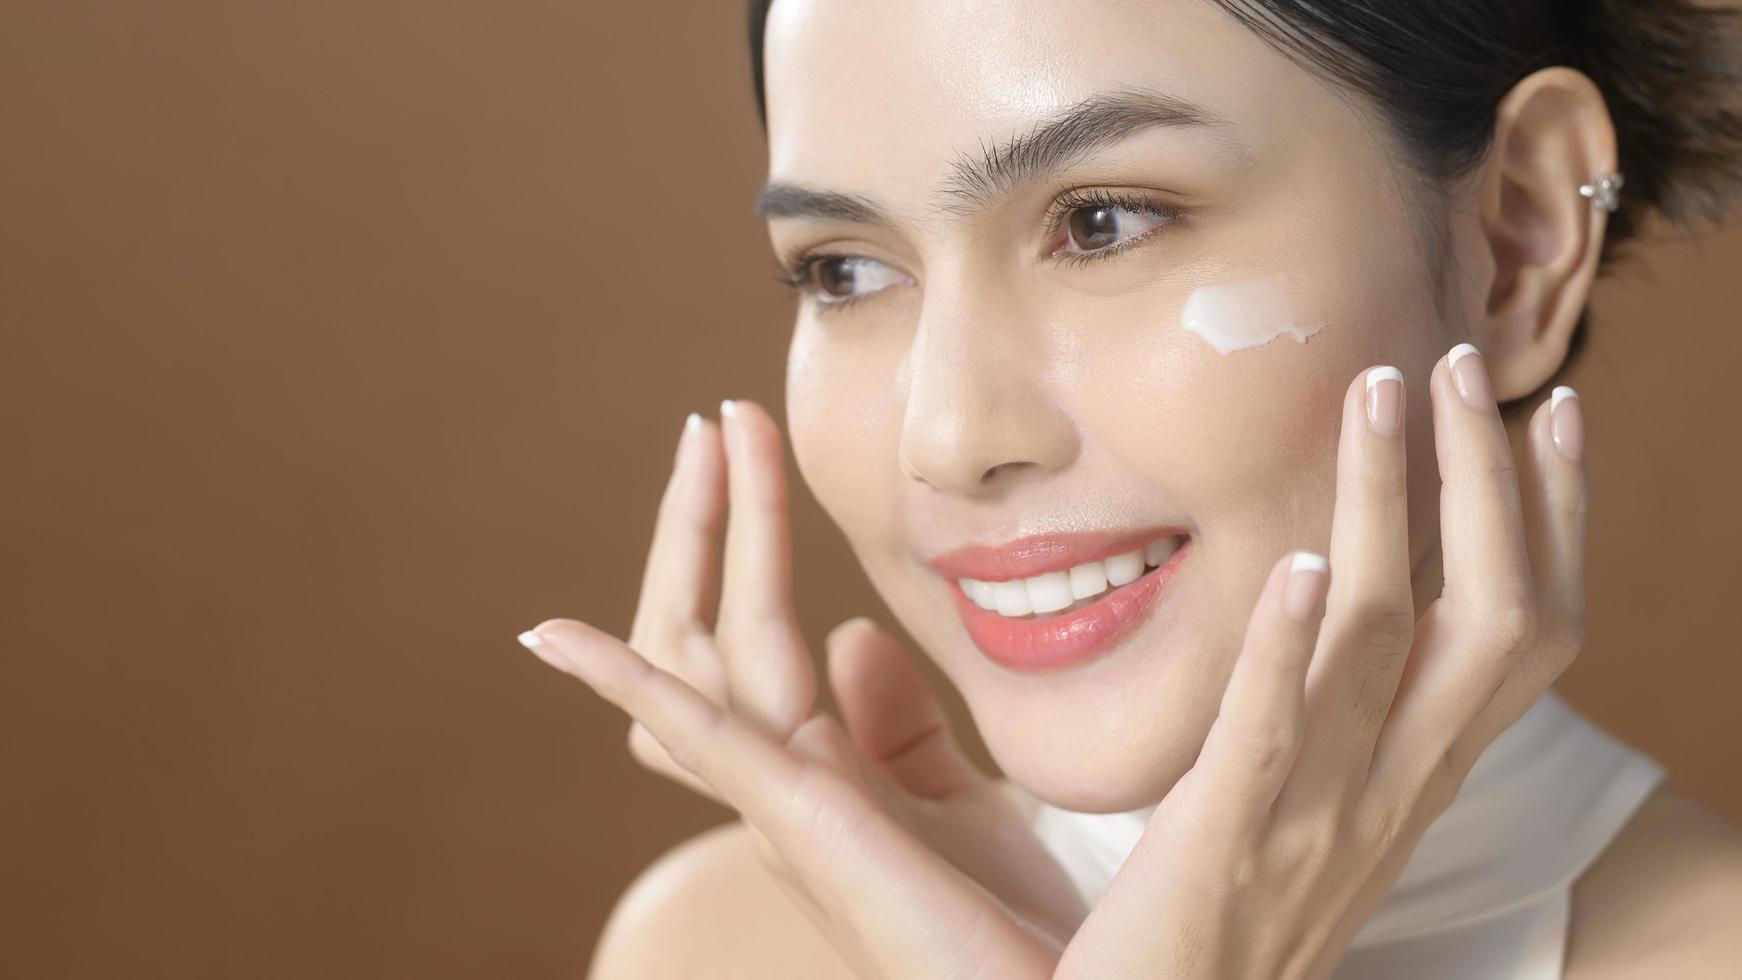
[[1150, 356]]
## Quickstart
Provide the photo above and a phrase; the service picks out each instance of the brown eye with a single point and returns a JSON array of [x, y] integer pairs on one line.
[[1099, 224], [1093, 227], [835, 277], [836, 280]]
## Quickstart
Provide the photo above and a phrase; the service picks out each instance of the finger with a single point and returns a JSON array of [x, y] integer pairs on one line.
[[1252, 745], [1554, 487], [680, 582], [680, 585], [768, 668], [1458, 703], [1215, 815], [1556, 491], [1487, 571], [905, 906], [1370, 615], [892, 713]]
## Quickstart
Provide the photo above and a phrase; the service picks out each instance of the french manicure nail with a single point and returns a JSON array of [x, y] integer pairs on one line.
[[1385, 400], [1470, 375], [1306, 585], [1567, 422], [542, 649], [728, 408], [690, 425]]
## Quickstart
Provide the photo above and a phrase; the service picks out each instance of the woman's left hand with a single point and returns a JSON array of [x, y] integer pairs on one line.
[[1348, 725]]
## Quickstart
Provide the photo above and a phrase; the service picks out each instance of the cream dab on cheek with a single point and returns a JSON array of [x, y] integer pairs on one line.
[[1238, 315]]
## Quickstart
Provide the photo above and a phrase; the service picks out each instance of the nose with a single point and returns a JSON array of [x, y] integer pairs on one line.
[[979, 412]]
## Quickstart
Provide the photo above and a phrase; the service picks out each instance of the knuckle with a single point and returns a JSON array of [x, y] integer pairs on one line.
[[1383, 479], [1382, 633], [1512, 628], [1313, 843], [1371, 705], [1389, 628], [1496, 464], [1384, 824], [1572, 508], [1268, 744]]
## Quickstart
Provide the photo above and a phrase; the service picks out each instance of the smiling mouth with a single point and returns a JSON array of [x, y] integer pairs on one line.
[[1061, 592]]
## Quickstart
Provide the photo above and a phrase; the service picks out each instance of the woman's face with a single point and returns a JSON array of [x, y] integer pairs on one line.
[[983, 387]]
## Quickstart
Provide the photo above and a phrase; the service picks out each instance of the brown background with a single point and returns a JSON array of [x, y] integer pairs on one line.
[[342, 341]]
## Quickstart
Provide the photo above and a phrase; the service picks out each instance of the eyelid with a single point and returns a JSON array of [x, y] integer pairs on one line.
[[1077, 199], [798, 274], [797, 271]]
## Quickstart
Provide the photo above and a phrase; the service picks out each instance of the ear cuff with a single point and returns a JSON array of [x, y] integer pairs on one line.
[[1606, 192]]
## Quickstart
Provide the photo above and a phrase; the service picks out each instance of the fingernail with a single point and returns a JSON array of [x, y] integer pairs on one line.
[[690, 425], [1302, 594], [1471, 376], [728, 412], [1567, 422], [542, 649], [1385, 400]]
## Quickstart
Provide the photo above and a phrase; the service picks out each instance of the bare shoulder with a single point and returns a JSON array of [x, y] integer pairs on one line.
[[1662, 899], [708, 907]]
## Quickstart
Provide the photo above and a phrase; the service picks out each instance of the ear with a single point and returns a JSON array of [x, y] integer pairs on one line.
[[1552, 132]]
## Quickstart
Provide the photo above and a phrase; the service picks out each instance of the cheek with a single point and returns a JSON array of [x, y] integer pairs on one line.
[[845, 429], [1215, 434]]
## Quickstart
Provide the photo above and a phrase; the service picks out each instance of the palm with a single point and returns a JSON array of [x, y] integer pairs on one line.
[[878, 825], [909, 764]]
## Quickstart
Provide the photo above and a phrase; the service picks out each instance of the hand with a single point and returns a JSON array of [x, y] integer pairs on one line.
[[1343, 734], [909, 859]]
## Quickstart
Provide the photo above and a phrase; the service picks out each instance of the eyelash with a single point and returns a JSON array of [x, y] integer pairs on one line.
[[1098, 198], [796, 273]]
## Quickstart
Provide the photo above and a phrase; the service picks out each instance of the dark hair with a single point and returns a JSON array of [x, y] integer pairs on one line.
[[1670, 73]]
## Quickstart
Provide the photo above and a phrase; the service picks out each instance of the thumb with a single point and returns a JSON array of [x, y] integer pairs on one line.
[[894, 717]]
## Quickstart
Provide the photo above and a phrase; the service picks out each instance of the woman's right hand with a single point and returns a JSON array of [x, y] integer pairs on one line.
[[912, 861]]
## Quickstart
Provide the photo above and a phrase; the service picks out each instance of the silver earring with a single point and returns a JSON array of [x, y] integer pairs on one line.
[[1606, 193]]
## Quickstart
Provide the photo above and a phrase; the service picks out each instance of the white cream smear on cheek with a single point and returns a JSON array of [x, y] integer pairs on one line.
[[1238, 315]]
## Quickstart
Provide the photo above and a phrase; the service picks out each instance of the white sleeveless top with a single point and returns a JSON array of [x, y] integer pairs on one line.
[[1485, 894]]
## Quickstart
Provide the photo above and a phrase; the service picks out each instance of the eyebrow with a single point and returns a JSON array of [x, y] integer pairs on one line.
[[1053, 145]]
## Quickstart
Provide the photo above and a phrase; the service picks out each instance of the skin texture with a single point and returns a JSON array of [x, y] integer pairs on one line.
[[1003, 395], [1656, 904], [986, 392]]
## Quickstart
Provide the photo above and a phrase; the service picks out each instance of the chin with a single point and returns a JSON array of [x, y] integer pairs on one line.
[[1103, 774], [1114, 739]]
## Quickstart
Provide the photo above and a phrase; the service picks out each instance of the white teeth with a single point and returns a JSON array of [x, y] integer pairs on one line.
[[1053, 591], [980, 592], [1088, 580], [1049, 592], [1157, 552], [1124, 568], [1011, 598]]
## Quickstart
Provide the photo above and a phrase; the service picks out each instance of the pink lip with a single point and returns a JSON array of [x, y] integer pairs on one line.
[[1041, 553], [1069, 638]]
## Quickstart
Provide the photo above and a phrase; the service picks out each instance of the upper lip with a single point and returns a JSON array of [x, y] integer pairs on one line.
[[1042, 553]]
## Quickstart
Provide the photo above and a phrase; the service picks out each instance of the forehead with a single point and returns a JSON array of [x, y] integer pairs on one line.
[[882, 94]]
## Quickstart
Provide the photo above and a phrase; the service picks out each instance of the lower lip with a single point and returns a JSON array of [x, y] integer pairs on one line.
[[1066, 639]]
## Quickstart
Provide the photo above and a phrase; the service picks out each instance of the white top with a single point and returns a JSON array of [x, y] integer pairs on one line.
[[1485, 894]]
